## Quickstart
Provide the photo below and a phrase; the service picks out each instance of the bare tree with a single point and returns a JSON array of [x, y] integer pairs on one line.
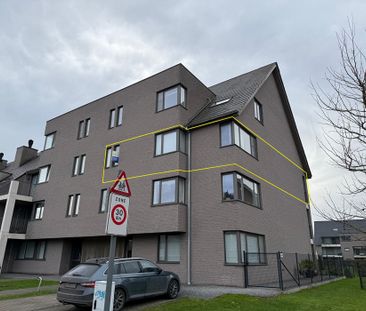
[[343, 113]]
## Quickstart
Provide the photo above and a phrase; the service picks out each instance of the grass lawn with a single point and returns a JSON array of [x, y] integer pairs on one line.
[[31, 294], [340, 295], [10, 284]]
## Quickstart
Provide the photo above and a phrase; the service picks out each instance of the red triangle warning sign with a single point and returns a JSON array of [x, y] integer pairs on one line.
[[121, 185]]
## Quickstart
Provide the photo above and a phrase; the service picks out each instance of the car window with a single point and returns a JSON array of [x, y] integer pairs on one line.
[[118, 269], [147, 264], [84, 270], [132, 267]]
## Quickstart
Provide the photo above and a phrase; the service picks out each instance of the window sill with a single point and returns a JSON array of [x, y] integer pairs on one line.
[[178, 105], [242, 264], [163, 154], [41, 183], [246, 152], [53, 147], [167, 204], [168, 262], [240, 201]]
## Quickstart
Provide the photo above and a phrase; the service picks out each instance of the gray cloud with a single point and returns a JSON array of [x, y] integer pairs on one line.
[[55, 56]]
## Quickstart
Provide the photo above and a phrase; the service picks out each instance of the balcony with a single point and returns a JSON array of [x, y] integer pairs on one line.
[[21, 216], [24, 187]]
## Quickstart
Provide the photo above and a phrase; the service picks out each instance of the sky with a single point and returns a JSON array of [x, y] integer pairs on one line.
[[58, 55]]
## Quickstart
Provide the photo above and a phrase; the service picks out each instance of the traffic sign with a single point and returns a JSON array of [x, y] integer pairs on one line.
[[117, 215], [121, 185]]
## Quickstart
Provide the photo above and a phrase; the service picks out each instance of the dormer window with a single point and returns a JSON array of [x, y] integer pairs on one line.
[[171, 97]]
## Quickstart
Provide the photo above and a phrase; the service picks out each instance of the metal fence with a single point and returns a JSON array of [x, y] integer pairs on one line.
[[361, 271], [289, 270]]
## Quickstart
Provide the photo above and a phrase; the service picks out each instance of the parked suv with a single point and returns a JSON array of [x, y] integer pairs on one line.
[[135, 278]]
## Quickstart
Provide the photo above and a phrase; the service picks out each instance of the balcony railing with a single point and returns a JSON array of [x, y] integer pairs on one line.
[[19, 222], [4, 187], [24, 187]]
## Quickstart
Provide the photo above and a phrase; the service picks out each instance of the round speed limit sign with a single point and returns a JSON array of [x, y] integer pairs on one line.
[[119, 214]]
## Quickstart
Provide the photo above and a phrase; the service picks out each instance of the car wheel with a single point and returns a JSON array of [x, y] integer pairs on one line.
[[173, 289], [119, 299]]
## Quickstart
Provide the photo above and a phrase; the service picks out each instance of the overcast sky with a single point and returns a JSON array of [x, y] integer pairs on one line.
[[58, 55]]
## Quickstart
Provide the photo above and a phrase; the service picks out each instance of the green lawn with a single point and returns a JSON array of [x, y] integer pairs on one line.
[[340, 295], [31, 294], [9, 284]]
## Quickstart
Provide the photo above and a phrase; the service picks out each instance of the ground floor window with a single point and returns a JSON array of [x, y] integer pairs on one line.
[[32, 250], [236, 242], [169, 248]]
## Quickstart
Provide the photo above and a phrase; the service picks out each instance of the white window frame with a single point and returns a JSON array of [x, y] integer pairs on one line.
[[103, 201], [109, 154], [79, 165], [84, 128], [115, 117]]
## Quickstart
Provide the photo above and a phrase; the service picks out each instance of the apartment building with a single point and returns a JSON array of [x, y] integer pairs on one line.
[[214, 171], [345, 240]]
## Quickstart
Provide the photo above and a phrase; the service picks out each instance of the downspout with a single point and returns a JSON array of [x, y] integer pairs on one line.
[[189, 214]]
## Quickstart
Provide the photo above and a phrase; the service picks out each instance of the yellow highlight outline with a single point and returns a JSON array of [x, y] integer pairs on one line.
[[210, 167]]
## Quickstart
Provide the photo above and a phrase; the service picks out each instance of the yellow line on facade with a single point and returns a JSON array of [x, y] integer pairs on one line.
[[215, 167], [211, 167], [269, 144]]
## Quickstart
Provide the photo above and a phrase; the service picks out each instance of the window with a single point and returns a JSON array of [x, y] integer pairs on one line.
[[103, 200], [170, 142], [73, 205], [44, 174], [331, 251], [38, 210], [236, 242], [258, 111], [84, 128], [169, 248], [49, 141], [115, 117], [79, 165], [359, 251], [112, 156], [132, 267], [33, 250], [238, 187], [330, 240], [232, 134], [169, 191], [171, 97]]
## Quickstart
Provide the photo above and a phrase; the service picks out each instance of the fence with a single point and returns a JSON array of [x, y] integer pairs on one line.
[[361, 271], [289, 270]]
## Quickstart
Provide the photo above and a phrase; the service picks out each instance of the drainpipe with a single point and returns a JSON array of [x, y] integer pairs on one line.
[[189, 215]]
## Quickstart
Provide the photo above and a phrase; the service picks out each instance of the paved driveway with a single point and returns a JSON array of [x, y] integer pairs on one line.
[[49, 302]]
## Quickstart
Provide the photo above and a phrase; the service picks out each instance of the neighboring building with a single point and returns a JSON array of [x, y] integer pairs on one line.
[[341, 239], [213, 171]]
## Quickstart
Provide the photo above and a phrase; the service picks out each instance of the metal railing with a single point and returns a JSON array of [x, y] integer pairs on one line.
[[24, 187], [289, 270]]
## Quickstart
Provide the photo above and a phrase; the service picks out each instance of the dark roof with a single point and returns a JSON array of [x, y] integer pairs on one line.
[[337, 228], [240, 89]]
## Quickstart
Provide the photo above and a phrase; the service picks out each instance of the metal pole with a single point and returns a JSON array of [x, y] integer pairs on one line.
[[112, 250], [279, 268], [246, 279]]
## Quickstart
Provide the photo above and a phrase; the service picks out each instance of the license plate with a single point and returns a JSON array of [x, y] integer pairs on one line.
[[70, 285]]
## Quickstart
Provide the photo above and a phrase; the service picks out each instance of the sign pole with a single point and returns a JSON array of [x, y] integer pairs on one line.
[[112, 251]]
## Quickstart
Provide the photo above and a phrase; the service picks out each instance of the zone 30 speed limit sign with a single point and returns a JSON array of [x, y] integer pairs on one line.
[[117, 215]]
